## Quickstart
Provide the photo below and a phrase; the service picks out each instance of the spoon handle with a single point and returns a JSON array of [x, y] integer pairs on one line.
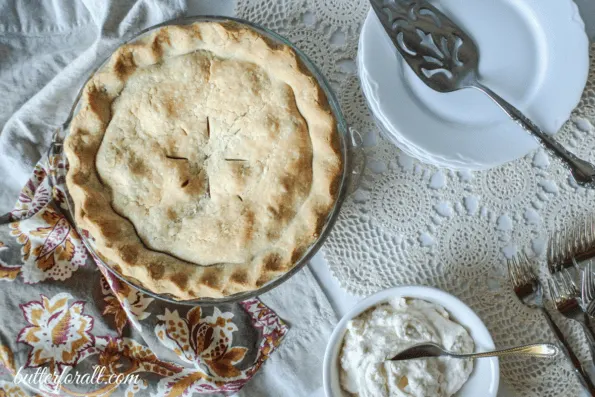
[[582, 171], [535, 350]]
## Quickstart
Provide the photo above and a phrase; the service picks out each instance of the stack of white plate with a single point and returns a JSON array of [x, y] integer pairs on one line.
[[534, 53]]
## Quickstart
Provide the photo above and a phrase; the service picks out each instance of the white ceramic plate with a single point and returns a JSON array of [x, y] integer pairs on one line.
[[485, 377], [534, 53]]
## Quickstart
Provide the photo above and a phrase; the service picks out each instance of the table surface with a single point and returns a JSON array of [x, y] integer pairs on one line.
[[340, 300]]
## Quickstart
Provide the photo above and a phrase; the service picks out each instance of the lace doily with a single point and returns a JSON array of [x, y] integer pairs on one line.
[[412, 223]]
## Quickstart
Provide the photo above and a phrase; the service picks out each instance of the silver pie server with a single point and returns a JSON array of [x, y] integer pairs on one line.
[[425, 350], [446, 59]]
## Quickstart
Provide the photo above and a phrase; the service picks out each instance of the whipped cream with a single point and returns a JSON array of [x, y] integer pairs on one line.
[[387, 329]]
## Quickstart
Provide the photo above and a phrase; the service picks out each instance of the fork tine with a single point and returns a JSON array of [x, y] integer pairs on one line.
[[575, 264], [561, 247], [585, 237], [520, 269], [576, 238], [552, 287], [565, 283], [550, 254], [560, 286], [589, 285], [591, 309], [557, 250], [529, 275], [511, 271], [570, 241], [575, 287], [561, 243], [568, 282], [587, 226], [579, 237], [585, 288], [588, 275], [564, 247], [573, 240], [590, 281], [514, 271], [584, 234], [587, 281], [588, 223]]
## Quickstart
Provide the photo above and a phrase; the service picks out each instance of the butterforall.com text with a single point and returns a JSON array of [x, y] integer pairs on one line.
[[42, 376]]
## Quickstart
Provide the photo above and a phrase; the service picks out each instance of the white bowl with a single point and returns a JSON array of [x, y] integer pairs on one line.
[[485, 377]]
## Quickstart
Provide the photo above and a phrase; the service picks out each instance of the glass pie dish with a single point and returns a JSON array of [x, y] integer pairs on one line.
[[349, 145]]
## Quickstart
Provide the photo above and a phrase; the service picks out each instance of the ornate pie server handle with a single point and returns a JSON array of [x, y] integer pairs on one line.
[[582, 171], [446, 59]]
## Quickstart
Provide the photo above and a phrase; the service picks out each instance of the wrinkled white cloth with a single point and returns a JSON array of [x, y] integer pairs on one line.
[[47, 49]]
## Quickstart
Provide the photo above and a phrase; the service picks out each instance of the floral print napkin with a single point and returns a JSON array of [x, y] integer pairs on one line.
[[69, 327]]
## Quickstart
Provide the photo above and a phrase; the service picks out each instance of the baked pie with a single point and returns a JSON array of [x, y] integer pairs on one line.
[[204, 160]]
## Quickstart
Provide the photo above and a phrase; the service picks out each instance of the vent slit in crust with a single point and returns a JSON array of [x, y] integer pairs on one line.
[[176, 158]]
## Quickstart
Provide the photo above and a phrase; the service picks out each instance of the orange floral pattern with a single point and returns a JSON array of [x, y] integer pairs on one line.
[[7, 359], [204, 342], [273, 330], [125, 303], [34, 195], [58, 333], [9, 389], [51, 248], [117, 353]]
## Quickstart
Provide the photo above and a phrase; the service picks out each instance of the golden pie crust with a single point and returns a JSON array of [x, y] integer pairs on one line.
[[204, 160]]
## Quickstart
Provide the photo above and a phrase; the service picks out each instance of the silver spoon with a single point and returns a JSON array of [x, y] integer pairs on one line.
[[424, 350], [445, 58]]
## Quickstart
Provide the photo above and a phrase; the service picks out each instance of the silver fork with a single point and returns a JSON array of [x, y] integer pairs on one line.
[[560, 248], [529, 291], [565, 294], [577, 242], [588, 289]]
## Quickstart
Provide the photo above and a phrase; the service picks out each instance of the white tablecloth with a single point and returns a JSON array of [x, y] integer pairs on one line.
[[342, 301]]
